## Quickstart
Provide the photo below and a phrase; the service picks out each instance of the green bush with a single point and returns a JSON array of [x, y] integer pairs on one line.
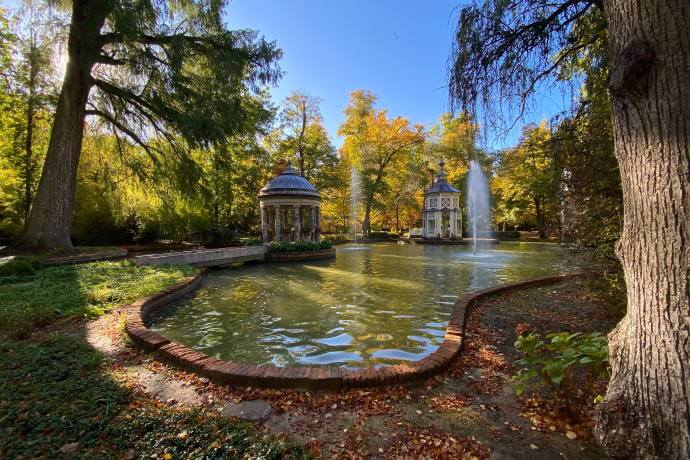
[[381, 236], [299, 246], [336, 238], [19, 267], [560, 361], [607, 283], [252, 242]]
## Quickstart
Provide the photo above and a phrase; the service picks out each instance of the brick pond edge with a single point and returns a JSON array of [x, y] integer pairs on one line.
[[312, 378]]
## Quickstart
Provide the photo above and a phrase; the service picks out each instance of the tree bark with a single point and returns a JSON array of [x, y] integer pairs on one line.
[[50, 222], [541, 224], [28, 146], [647, 408], [366, 226]]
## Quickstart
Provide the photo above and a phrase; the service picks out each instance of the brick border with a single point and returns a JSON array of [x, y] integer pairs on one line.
[[313, 378]]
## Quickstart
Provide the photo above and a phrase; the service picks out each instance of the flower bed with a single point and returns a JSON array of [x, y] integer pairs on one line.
[[299, 246]]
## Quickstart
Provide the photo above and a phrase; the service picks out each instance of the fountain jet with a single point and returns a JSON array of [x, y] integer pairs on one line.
[[355, 198], [479, 211]]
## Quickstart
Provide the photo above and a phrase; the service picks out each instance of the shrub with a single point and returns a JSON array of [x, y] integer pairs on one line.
[[19, 267], [336, 238], [252, 242], [299, 246], [560, 362], [381, 236], [607, 283]]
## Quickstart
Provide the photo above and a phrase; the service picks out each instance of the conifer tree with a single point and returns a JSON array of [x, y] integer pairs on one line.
[[151, 69]]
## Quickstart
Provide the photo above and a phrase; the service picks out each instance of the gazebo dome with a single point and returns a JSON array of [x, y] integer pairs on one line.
[[289, 182], [441, 185], [290, 208]]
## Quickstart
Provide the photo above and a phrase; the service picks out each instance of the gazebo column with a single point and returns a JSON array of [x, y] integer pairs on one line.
[[460, 222], [317, 234], [264, 223], [451, 223], [312, 219], [276, 237], [298, 223]]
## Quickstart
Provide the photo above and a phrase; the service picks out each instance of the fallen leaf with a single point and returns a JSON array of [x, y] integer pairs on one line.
[[69, 448]]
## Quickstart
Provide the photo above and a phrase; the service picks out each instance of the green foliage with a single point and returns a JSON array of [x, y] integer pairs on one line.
[[606, 282], [382, 236], [299, 246], [86, 290], [252, 242], [555, 360], [527, 180], [193, 434], [18, 267], [60, 391], [377, 146], [336, 238]]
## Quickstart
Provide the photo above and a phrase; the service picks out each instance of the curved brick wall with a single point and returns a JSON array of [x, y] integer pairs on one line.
[[316, 378]]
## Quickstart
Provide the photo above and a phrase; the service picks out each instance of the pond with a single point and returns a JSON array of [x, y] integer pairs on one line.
[[372, 305]]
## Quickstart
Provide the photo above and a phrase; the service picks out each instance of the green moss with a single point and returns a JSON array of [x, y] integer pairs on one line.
[[86, 290], [59, 392]]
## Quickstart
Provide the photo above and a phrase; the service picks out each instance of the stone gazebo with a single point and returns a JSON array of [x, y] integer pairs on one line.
[[442, 216], [290, 208]]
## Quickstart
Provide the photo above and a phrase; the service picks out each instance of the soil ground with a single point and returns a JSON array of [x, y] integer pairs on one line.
[[470, 411]]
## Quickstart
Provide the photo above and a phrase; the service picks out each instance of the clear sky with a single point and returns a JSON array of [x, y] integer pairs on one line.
[[396, 49]]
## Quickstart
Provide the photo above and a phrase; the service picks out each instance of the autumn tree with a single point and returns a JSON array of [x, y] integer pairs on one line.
[[527, 178], [375, 144], [455, 139], [503, 50], [151, 68], [302, 138]]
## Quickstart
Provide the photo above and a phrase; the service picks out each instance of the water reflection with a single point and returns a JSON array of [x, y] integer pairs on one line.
[[372, 305]]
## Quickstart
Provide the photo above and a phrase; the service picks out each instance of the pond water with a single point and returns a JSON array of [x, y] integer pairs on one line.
[[372, 305]]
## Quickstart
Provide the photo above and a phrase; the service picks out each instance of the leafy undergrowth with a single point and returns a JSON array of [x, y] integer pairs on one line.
[[58, 399], [86, 290], [299, 246]]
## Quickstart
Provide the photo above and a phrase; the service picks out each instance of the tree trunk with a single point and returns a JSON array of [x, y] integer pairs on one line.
[[647, 408], [541, 225], [366, 227], [50, 222], [28, 146]]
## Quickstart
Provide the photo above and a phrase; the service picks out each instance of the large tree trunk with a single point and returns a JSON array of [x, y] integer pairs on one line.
[[647, 408], [28, 145], [50, 222]]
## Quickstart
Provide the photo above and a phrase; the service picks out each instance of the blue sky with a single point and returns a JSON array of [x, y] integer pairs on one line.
[[396, 49]]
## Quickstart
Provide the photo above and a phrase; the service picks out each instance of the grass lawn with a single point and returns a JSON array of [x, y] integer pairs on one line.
[[61, 398], [57, 398], [30, 300]]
